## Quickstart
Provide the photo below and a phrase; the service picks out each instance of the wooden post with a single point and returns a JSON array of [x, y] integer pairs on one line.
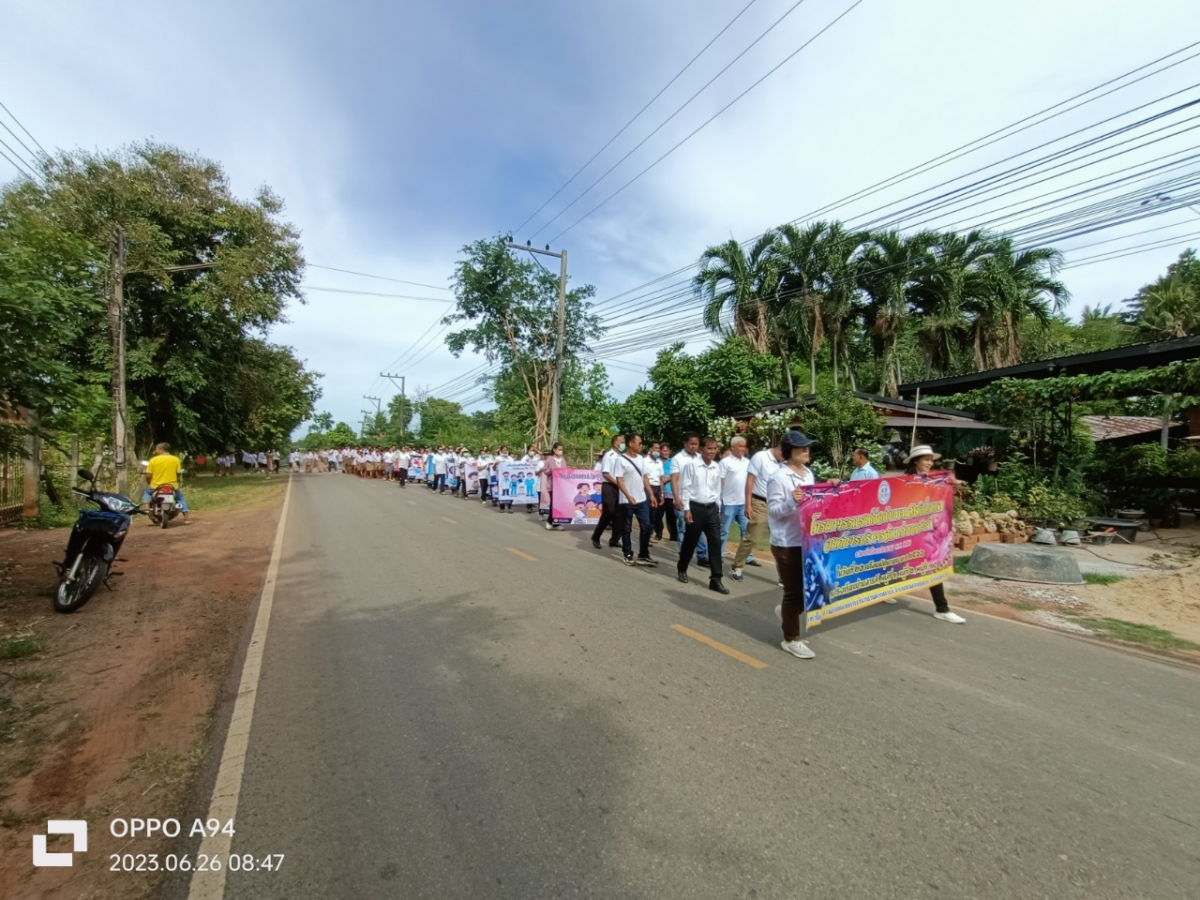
[[33, 472], [74, 460]]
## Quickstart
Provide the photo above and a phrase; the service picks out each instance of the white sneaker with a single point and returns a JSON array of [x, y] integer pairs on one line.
[[798, 649], [736, 575], [952, 618], [891, 601], [779, 612]]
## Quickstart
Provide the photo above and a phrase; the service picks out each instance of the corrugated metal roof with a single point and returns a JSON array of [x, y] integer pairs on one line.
[[1105, 428]]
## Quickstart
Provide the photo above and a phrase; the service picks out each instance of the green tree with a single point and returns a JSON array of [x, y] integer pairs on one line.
[[739, 283], [1012, 287], [400, 415], [840, 422], [512, 307], [442, 421], [45, 308], [321, 422], [205, 275]]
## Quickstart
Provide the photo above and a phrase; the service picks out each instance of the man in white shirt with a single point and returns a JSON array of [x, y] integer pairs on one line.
[[763, 466], [440, 462], [654, 474], [734, 471], [637, 498], [612, 513], [700, 497], [684, 458]]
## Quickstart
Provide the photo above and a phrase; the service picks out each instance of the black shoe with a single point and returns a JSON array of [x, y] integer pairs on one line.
[[715, 585], [702, 562], [596, 544], [629, 561], [681, 577], [647, 562], [614, 543]]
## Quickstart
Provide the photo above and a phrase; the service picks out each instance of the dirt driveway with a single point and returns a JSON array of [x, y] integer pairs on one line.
[[105, 713]]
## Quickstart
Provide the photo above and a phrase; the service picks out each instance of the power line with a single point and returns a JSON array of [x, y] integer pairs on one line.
[[24, 129], [24, 173], [637, 115], [379, 277], [962, 150], [332, 290], [709, 120], [668, 119], [24, 167]]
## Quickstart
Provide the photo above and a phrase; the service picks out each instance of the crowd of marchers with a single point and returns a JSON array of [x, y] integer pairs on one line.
[[692, 498]]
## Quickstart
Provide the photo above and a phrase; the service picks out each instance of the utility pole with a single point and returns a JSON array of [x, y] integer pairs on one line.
[[392, 379], [116, 333], [560, 338]]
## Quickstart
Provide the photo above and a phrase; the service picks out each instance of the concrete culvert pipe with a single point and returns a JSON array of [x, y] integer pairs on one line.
[[1023, 562]]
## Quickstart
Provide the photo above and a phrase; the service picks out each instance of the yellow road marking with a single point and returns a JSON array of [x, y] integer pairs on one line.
[[524, 556], [724, 648], [448, 519]]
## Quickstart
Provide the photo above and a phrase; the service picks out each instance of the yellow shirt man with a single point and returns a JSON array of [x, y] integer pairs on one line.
[[165, 468]]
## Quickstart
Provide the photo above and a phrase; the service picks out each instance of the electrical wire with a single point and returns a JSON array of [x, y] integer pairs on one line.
[[637, 115], [26, 130], [379, 277], [333, 290], [791, 9], [853, 6]]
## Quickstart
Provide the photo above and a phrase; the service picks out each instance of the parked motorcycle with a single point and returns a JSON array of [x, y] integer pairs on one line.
[[163, 506], [93, 546]]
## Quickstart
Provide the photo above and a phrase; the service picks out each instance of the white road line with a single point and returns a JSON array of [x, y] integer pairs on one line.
[[210, 885]]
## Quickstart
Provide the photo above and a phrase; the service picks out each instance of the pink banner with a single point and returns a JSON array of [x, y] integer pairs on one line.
[[576, 497]]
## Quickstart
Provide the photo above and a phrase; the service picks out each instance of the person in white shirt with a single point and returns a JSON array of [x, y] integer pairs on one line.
[[441, 461], [684, 458], [638, 499], [612, 513], [389, 459], [734, 472], [700, 498], [654, 474], [262, 462], [784, 493], [763, 466]]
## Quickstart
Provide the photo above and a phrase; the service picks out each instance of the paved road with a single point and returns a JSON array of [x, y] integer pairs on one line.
[[456, 703]]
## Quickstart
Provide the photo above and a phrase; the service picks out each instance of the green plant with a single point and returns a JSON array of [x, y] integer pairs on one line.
[[1052, 507], [1100, 578], [20, 644], [1136, 633]]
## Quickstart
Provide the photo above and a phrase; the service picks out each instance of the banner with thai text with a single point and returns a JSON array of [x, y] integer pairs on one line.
[[516, 483], [869, 541], [576, 498]]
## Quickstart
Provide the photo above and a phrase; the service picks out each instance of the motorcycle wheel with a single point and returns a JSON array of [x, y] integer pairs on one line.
[[71, 595], [165, 517]]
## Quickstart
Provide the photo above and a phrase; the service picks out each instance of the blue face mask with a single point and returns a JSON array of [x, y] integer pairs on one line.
[[657, 455], [622, 448]]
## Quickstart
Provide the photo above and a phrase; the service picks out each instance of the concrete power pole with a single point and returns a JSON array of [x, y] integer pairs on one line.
[[392, 379], [116, 332], [560, 338]]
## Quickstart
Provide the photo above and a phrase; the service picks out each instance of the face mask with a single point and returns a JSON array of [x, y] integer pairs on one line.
[[657, 455], [558, 453], [621, 449]]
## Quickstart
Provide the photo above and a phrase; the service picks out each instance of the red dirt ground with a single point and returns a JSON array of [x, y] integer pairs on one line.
[[122, 721]]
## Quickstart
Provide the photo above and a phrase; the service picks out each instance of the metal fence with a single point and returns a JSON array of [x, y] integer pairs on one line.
[[12, 488]]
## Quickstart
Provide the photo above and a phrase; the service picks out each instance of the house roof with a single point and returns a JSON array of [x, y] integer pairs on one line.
[[897, 412], [1135, 356], [1107, 428]]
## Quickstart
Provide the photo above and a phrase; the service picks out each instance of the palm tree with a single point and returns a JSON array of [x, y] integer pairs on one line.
[[947, 281], [838, 253], [891, 264], [1012, 285], [1167, 310], [797, 304], [738, 282]]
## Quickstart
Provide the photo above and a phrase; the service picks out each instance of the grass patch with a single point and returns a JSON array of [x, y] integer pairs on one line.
[[1025, 606], [1134, 633], [19, 645], [34, 676], [1098, 578], [962, 565], [212, 494]]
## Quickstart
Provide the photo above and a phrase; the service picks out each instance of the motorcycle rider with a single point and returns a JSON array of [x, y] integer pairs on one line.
[[164, 468]]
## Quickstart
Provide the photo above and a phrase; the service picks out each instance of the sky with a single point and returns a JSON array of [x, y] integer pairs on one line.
[[397, 133]]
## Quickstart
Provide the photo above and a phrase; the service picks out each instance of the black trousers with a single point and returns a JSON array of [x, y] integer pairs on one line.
[[706, 520], [611, 513], [402, 474]]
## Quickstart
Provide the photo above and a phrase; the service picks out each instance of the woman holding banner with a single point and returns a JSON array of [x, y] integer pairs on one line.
[[784, 492], [919, 464]]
